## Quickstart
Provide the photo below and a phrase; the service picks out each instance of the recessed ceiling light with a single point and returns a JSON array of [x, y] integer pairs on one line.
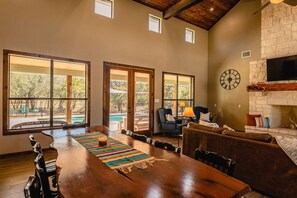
[[211, 9]]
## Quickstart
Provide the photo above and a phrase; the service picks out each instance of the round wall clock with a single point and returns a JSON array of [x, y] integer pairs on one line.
[[230, 79]]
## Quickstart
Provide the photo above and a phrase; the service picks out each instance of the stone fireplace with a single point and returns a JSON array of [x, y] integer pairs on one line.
[[278, 39], [278, 105]]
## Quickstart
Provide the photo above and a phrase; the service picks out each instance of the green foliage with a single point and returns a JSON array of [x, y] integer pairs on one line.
[[24, 85], [30, 85], [118, 100]]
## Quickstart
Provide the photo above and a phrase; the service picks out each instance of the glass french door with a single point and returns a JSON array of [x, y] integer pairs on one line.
[[128, 98]]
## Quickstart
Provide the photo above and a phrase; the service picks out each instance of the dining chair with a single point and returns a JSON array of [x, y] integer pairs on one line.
[[223, 164], [127, 132], [136, 136], [37, 149], [32, 188], [50, 166], [142, 138], [166, 146], [48, 184], [32, 140]]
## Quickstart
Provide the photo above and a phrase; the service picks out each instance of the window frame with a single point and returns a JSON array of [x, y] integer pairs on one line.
[[193, 35], [6, 90], [160, 23], [177, 99], [112, 8]]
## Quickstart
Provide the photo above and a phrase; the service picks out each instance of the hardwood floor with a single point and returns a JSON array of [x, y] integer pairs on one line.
[[15, 170]]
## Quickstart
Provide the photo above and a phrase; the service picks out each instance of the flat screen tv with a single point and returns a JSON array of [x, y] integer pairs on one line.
[[279, 69]]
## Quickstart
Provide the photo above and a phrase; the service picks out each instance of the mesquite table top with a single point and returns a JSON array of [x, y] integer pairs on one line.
[[81, 174]]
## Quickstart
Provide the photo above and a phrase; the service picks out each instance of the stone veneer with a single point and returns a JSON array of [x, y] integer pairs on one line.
[[278, 31], [269, 104], [278, 39]]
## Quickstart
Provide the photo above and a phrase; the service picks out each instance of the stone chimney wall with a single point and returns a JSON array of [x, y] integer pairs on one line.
[[278, 31]]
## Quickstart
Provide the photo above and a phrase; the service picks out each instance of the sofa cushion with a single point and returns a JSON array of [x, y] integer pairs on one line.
[[206, 128], [250, 119], [263, 137]]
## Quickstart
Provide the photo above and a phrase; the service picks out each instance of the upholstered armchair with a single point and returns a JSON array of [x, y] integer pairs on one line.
[[198, 110], [169, 126]]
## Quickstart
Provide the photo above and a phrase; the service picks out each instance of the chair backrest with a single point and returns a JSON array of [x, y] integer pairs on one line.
[[166, 146], [127, 132], [37, 148], [40, 161], [197, 110], [142, 138], [136, 136], [32, 188], [224, 164], [42, 175], [32, 140]]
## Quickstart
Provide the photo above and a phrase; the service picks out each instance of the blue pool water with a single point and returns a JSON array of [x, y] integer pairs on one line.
[[115, 117], [81, 118]]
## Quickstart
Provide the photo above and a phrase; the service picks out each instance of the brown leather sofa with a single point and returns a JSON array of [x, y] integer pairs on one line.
[[264, 166]]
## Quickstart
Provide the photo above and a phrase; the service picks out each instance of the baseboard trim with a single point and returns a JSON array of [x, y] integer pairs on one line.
[[22, 153]]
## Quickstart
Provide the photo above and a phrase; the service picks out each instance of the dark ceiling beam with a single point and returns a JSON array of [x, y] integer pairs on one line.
[[179, 7]]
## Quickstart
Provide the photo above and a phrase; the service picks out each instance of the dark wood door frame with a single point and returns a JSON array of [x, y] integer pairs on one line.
[[107, 66]]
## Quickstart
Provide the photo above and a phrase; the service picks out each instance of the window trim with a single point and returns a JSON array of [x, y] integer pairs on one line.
[[112, 8], [160, 23], [176, 99], [6, 74], [193, 35]]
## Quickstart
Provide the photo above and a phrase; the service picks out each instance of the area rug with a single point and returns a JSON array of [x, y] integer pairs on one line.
[[115, 154], [289, 146]]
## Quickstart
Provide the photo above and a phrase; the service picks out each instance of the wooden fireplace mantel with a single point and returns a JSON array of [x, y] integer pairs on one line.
[[261, 87]]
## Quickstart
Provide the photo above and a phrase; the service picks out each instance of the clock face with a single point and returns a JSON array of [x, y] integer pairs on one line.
[[230, 79]]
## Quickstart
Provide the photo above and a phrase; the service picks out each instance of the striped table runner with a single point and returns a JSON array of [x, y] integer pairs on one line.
[[115, 154]]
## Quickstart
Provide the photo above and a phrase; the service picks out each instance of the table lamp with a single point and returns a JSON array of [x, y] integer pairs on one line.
[[188, 112], [182, 104]]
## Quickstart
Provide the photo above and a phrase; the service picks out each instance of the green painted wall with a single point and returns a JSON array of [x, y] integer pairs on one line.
[[237, 31]]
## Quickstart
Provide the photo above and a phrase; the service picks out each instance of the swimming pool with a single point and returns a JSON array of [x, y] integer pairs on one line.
[[116, 117]]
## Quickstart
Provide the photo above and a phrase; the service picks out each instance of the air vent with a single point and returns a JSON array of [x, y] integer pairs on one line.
[[246, 54]]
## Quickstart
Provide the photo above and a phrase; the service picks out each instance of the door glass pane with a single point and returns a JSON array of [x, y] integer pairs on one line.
[[184, 87], [170, 86], [118, 99], [29, 114], [142, 101]]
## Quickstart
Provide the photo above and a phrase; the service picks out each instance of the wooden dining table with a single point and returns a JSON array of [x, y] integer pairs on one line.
[[81, 174]]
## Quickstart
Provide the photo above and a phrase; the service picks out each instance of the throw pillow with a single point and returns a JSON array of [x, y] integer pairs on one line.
[[259, 122], [210, 124], [251, 119], [262, 122], [204, 116], [170, 118], [205, 128], [262, 137]]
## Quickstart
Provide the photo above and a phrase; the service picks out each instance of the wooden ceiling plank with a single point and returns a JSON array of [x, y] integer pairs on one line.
[[179, 7]]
